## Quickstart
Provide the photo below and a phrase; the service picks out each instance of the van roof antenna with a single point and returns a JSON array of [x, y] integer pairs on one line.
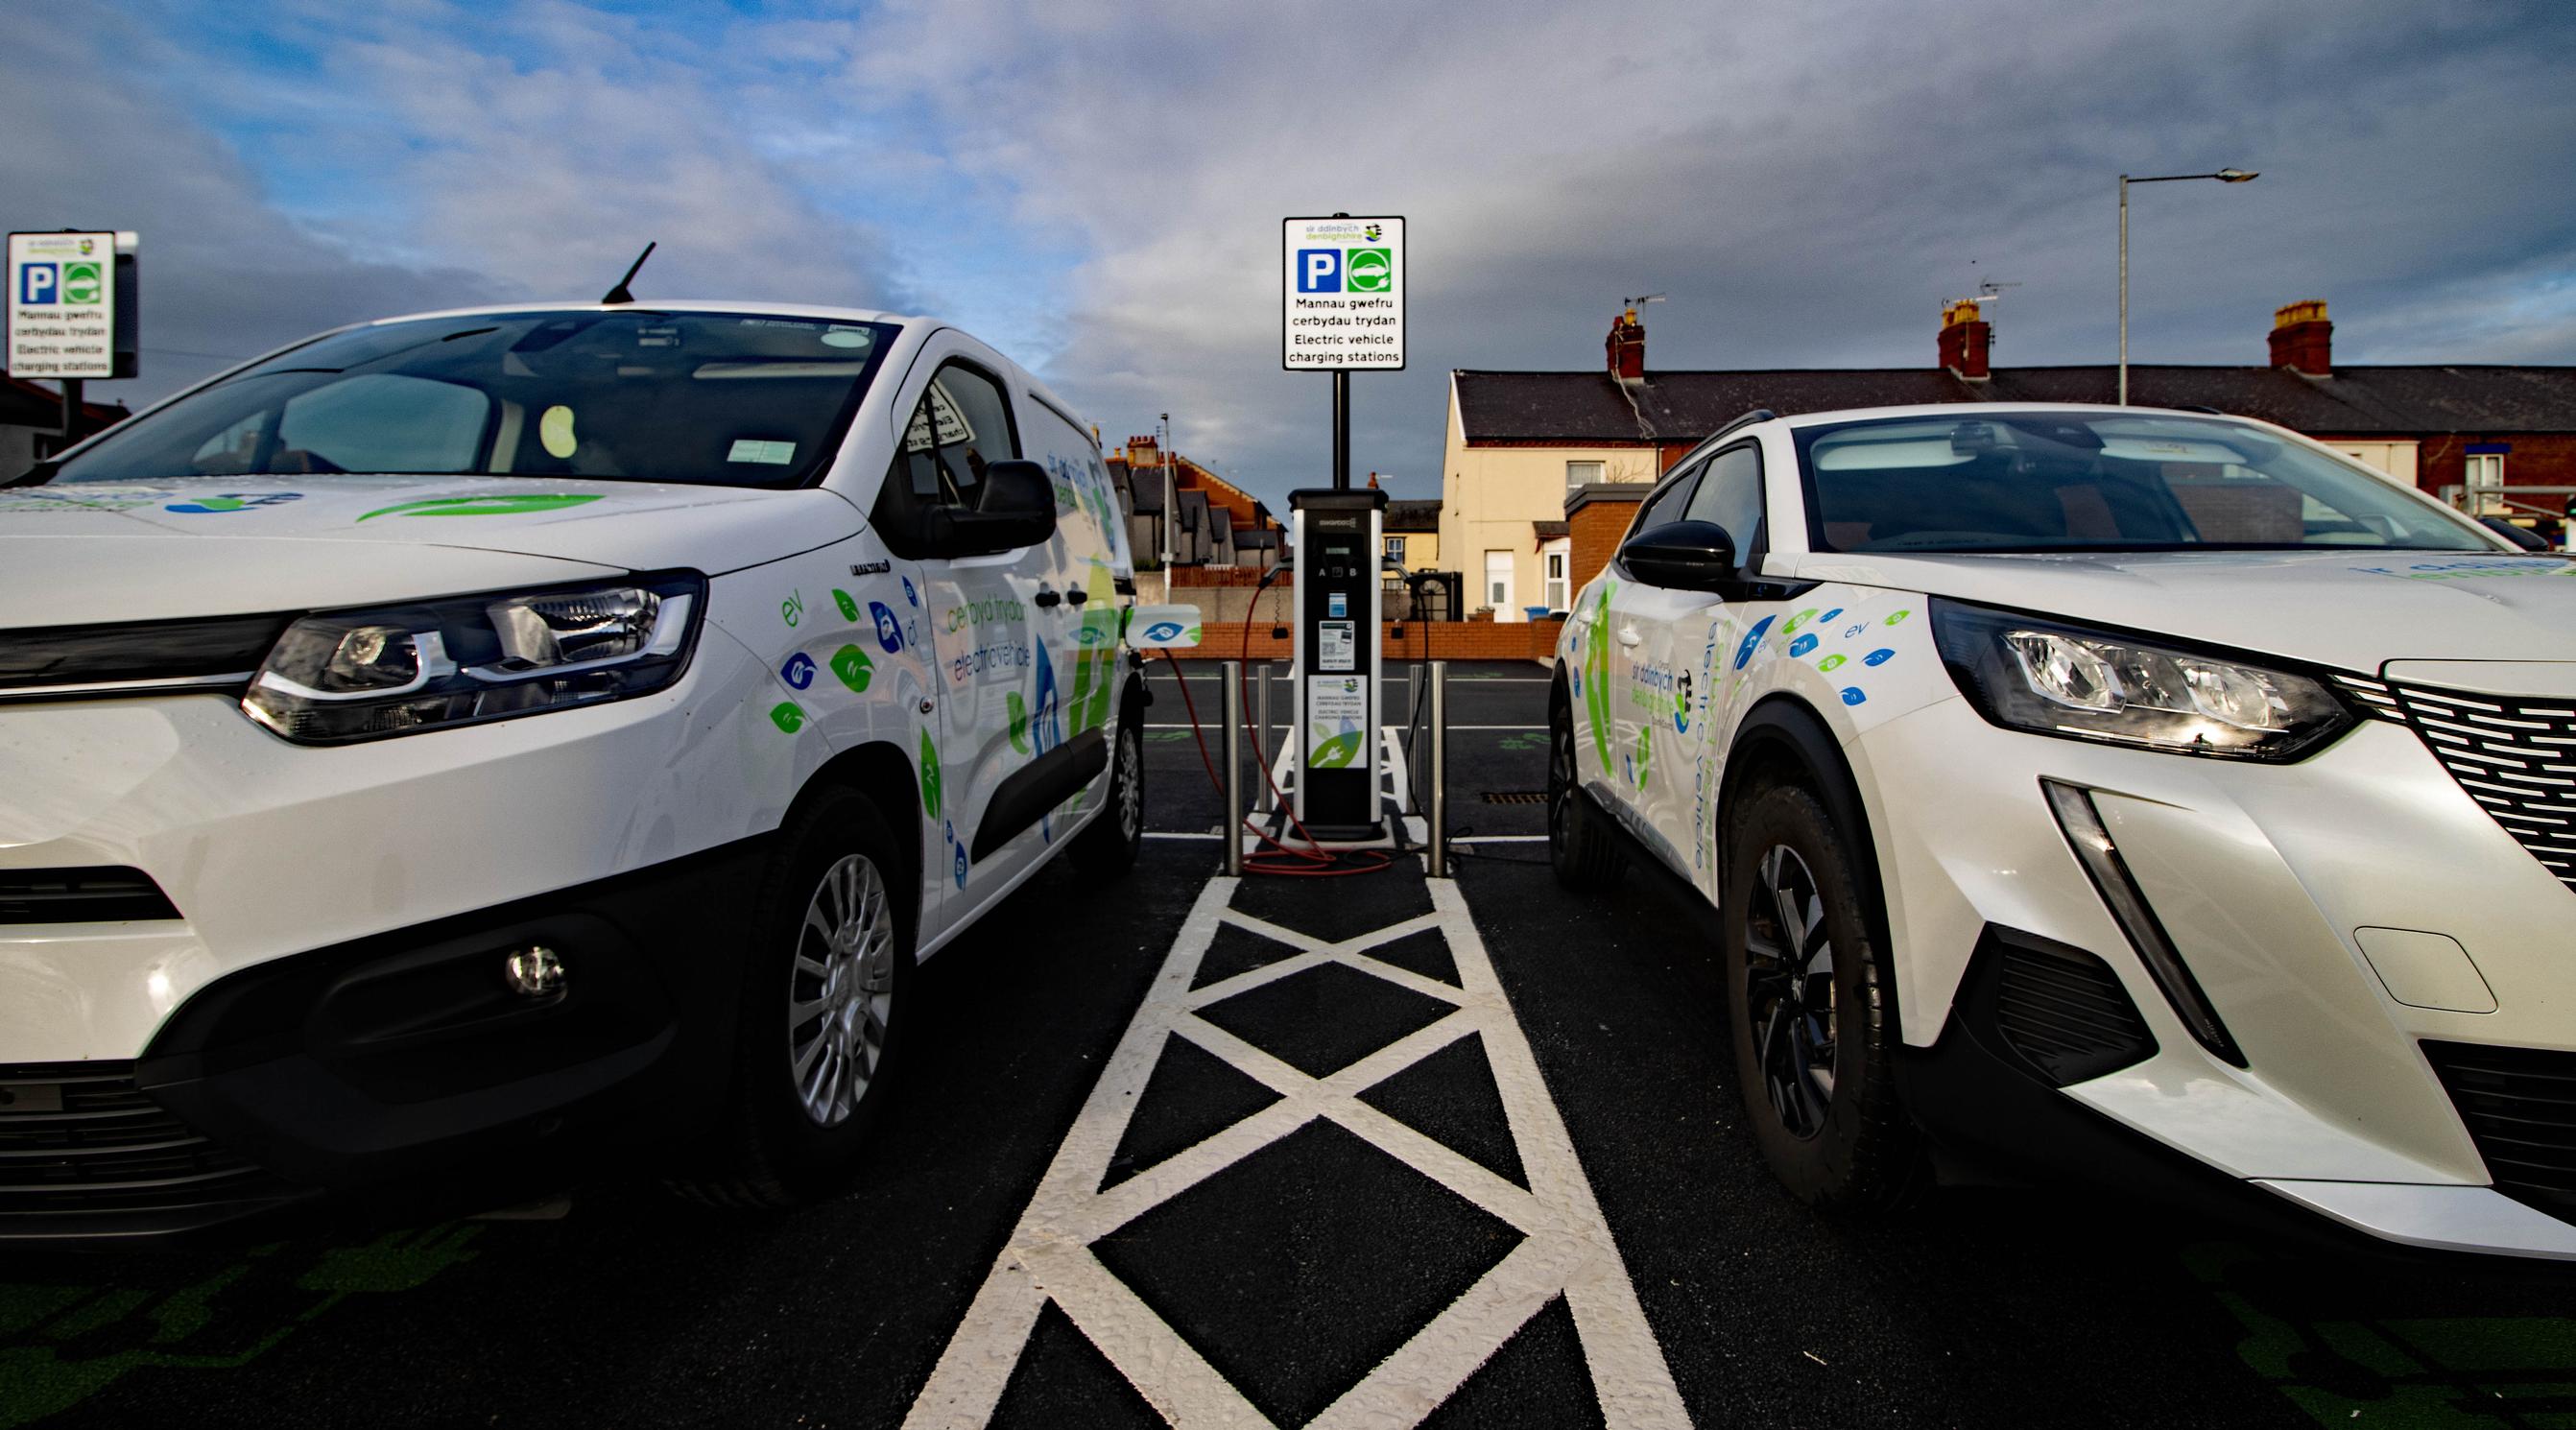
[[619, 294]]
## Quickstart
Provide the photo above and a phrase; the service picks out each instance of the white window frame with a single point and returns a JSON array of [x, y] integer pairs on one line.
[[1555, 558], [1600, 472]]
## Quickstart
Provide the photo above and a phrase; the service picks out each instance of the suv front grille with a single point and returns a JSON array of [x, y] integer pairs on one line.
[[2520, 1107], [81, 1138], [80, 896], [2515, 756]]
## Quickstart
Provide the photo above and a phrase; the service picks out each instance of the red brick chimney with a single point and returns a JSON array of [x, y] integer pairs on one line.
[[1143, 452], [1965, 337], [1626, 347], [2302, 339]]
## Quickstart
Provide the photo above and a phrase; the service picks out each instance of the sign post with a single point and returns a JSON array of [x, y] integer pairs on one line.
[[71, 311], [1342, 294]]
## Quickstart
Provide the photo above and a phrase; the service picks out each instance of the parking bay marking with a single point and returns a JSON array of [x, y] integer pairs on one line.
[[1567, 1249]]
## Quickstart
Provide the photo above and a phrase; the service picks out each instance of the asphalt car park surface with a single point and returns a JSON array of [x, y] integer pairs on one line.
[[1295, 1269]]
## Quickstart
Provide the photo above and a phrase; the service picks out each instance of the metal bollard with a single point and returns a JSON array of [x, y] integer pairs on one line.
[[1439, 769], [1231, 672], [1261, 741]]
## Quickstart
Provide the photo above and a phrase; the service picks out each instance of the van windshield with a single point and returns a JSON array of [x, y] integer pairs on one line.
[[717, 399], [2122, 481]]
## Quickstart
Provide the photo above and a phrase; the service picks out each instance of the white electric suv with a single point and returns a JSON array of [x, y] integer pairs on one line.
[[2156, 794], [489, 735]]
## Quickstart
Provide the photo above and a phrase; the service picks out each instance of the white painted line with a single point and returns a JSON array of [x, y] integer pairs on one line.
[[1207, 834], [1567, 1248], [1486, 839]]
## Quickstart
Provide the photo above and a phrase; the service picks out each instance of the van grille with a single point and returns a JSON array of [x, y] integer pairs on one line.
[[2520, 1108], [2515, 756], [81, 1138]]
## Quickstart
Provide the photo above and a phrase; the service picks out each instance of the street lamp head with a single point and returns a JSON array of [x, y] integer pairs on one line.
[[2233, 176]]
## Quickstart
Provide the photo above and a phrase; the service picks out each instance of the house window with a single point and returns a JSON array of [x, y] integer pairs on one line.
[[1579, 474], [1498, 581], [1395, 549], [1554, 561]]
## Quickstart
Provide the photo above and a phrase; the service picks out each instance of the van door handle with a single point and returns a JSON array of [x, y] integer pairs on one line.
[[1047, 598], [1077, 595], [1628, 635]]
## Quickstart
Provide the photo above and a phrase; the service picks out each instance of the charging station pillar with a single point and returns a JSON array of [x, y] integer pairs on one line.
[[1336, 536]]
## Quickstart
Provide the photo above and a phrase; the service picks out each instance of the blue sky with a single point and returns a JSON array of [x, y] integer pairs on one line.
[[1094, 187]]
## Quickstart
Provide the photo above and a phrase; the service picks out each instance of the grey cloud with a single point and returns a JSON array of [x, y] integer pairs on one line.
[[1807, 182]]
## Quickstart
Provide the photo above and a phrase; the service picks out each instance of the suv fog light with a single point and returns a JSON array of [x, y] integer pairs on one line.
[[534, 972]]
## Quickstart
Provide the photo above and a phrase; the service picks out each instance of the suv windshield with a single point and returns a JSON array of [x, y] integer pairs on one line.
[[2059, 481], [716, 399]]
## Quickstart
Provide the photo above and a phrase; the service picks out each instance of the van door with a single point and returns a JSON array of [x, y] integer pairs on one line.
[[982, 613]]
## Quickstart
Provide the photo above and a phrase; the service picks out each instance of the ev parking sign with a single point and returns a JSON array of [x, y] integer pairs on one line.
[[1343, 294], [62, 305]]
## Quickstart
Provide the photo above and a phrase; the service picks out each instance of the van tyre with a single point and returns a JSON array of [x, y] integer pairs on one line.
[[1585, 856], [1811, 1007], [826, 996], [1107, 847]]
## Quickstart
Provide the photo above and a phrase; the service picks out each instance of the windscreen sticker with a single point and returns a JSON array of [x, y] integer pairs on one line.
[[748, 449], [554, 431], [484, 505]]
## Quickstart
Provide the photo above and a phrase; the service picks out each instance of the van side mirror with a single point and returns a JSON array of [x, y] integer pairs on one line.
[[1682, 556], [1015, 508]]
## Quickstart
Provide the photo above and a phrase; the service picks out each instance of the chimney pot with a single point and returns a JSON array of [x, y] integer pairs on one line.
[[1626, 347], [1965, 340], [2302, 338]]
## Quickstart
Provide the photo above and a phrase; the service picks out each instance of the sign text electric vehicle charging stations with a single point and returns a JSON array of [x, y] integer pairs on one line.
[[1342, 295]]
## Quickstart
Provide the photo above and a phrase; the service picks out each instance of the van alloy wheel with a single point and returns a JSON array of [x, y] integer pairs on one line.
[[842, 990], [1789, 991]]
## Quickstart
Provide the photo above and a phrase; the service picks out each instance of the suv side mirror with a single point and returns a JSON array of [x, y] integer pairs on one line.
[[1015, 508], [1682, 556]]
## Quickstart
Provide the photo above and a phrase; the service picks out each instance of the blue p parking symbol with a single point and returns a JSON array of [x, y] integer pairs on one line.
[[38, 283], [1319, 270]]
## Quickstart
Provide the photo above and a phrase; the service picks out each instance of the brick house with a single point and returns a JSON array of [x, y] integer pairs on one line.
[[1531, 447]]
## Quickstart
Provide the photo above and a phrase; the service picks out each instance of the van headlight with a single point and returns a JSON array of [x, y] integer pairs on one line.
[[341, 676], [2048, 678]]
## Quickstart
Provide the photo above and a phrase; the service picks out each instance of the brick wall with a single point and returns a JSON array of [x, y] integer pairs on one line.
[[1593, 529], [1421, 640], [2545, 459]]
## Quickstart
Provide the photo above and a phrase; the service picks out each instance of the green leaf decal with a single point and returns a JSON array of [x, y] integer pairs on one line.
[[1019, 721], [1596, 677], [849, 604], [853, 666], [929, 776], [483, 506], [787, 716]]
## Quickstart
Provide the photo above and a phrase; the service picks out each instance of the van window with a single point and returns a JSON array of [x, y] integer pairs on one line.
[[961, 426]]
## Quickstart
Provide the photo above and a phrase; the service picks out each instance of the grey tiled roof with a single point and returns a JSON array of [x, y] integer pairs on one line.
[[1588, 408]]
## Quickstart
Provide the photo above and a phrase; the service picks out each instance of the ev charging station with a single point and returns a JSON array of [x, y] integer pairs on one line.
[[1333, 654], [1342, 302]]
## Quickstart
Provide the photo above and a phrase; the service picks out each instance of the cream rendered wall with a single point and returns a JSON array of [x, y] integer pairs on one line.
[[2397, 459], [1490, 495]]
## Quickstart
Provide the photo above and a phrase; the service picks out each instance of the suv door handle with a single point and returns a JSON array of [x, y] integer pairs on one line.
[[1628, 635], [1077, 595], [1048, 599]]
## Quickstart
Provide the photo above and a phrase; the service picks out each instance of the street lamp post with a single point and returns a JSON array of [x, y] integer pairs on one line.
[[2224, 176]]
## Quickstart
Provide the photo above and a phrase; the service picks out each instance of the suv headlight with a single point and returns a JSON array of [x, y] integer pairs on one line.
[[2048, 678], [341, 676]]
